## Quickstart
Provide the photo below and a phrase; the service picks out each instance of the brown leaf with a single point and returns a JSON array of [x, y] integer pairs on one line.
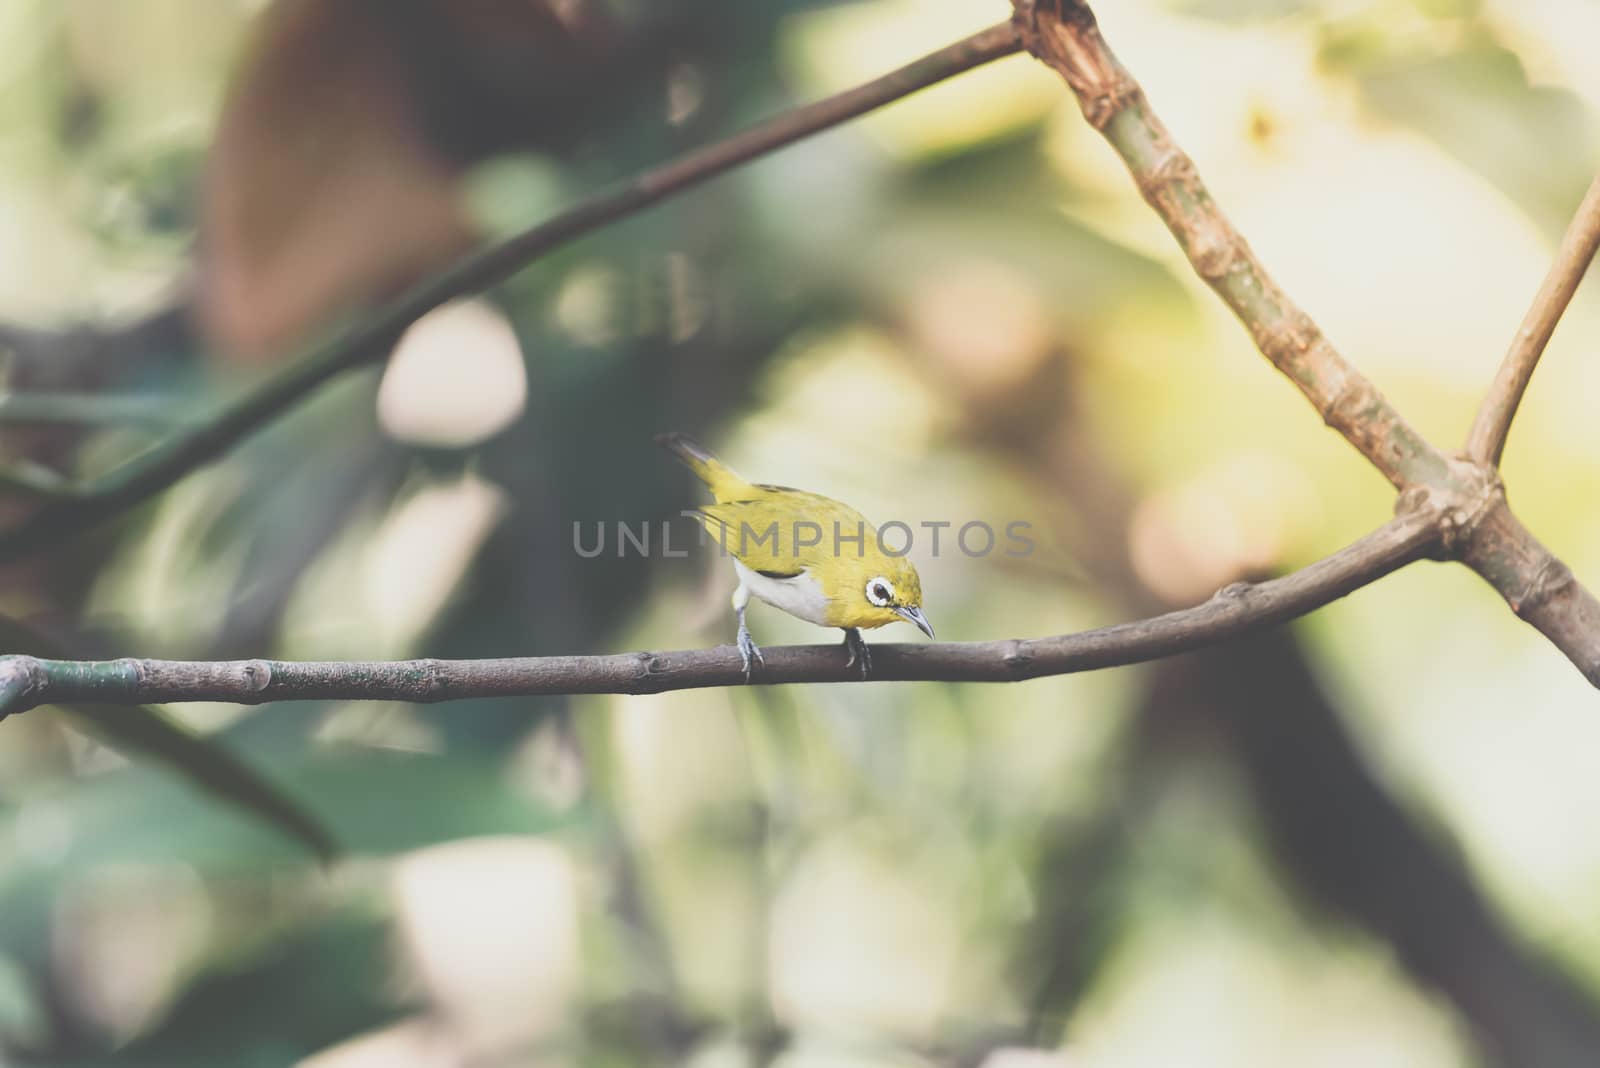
[[332, 180]]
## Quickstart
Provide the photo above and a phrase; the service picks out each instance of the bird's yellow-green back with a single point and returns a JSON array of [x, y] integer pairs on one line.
[[781, 532]]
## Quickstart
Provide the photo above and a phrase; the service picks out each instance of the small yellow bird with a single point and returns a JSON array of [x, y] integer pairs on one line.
[[809, 555]]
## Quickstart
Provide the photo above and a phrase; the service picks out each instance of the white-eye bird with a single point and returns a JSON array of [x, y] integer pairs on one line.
[[807, 554]]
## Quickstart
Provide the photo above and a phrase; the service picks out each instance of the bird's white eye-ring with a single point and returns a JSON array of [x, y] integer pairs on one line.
[[880, 592]]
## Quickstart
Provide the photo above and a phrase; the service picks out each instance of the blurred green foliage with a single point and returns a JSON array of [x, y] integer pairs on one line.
[[956, 309]]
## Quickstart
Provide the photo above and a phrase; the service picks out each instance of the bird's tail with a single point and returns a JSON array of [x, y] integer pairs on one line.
[[721, 479]]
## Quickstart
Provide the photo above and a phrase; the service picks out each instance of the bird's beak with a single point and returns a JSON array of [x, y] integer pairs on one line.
[[914, 615]]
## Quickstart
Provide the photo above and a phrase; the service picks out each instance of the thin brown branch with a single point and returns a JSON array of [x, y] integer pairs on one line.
[[1487, 441], [26, 682], [149, 473], [1064, 35], [1539, 588]]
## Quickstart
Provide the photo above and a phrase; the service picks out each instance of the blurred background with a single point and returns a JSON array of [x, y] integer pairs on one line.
[[1364, 839]]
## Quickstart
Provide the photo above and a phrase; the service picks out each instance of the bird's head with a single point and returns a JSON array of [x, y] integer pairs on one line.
[[874, 590]]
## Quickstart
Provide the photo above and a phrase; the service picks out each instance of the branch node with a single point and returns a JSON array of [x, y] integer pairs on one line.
[[1458, 507], [1412, 500], [1356, 394], [1017, 658], [1025, 20], [22, 682], [257, 675], [1462, 508], [1172, 165], [1292, 337], [435, 679], [137, 670], [652, 675], [1214, 252], [1551, 579], [1067, 38]]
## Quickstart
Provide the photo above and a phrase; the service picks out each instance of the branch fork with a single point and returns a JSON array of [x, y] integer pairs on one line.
[[1462, 495], [1457, 506], [1066, 39]]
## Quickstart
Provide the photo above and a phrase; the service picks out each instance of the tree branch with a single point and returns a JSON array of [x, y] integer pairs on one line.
[[166, 462], [1064, 35], [26, 682], [1479, 527], [1539, 588], [1449, 506], [1487, 441]]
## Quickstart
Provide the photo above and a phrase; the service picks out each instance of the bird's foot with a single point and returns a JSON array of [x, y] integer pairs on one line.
[[856, 645], [749, 651]]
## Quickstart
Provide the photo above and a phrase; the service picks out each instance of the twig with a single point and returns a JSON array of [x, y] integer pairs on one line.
[[1487, 441], [165, 463], [140, 732], [26, 682], [1064, 35]]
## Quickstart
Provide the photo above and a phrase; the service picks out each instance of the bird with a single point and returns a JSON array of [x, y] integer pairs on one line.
[[814, 557]]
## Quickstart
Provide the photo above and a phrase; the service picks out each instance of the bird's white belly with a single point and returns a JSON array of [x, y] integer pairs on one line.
[[800, 596]]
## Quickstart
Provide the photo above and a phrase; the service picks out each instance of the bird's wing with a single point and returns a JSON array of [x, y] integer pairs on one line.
[[745, 530], [781, 532]]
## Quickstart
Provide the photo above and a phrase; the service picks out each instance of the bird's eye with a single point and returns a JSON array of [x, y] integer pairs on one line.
[[879, 592]]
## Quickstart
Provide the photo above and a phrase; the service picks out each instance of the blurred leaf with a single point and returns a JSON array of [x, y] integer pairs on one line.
[[323, 983], [286, 514], [514, 191], [142, 731], [207, 765], [1536, 144], [333, 178], [943, 213], [375, 804], [146, 197]]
